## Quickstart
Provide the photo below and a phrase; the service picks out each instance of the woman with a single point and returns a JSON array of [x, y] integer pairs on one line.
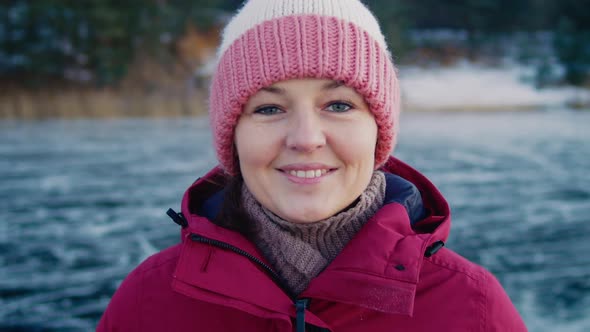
[[308, 224]]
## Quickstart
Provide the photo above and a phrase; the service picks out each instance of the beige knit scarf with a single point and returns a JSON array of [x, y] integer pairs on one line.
[[299, 252]]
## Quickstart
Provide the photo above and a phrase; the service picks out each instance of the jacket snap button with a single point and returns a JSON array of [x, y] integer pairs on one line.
[[400, 267]]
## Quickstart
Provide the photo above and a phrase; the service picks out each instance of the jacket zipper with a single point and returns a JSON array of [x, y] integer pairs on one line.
[[300, 304], [275, 277]]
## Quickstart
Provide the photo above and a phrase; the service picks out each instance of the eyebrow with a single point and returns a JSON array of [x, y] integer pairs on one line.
[[332, 85], [328, 86], [273, 89]]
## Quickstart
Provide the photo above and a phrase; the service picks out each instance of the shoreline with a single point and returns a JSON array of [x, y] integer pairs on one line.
[[464, 87]]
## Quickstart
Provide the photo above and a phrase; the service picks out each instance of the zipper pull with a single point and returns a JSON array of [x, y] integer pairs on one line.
[[436, 246], [177, 218], [301, 305]]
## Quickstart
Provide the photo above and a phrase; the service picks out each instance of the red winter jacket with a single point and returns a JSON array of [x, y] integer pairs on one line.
[[216, 280]]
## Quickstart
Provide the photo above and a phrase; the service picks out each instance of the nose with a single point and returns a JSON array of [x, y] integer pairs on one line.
[[305, 132]]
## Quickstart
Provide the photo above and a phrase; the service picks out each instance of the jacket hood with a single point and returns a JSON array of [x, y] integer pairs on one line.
[[378, 269], [434, 216]]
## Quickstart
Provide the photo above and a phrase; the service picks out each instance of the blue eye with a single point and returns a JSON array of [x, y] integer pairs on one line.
[[339, 107], [267, 110]]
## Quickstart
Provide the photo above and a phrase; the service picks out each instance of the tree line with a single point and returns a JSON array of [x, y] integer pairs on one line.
[[95, 41]]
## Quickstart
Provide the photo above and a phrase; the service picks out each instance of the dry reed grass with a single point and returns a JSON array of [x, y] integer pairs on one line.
[[98, 104], [151, 88]]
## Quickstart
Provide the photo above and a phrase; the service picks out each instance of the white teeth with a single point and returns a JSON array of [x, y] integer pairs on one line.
[[309, 174]]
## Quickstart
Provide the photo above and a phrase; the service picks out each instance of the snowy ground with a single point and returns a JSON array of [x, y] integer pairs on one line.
[[471, 87]]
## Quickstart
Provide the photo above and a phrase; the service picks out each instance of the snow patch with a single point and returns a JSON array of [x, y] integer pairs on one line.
[[468, 86]]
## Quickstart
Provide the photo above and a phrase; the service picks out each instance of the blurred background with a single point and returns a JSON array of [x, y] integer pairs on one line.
[[103, 126]]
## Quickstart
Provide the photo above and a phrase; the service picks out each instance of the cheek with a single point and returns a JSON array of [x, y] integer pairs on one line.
[[357, 143], [245, 152], [254, 145]]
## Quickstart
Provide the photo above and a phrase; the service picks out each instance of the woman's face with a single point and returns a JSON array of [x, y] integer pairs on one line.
[[306, 148]]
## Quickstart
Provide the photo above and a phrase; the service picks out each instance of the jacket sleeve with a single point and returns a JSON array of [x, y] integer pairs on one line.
[[500, 313], [122, 313]]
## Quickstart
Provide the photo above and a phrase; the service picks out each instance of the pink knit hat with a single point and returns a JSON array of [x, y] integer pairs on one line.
[[274, 40]]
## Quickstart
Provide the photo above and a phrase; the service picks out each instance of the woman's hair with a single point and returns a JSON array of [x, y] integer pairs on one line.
[[232, 214]]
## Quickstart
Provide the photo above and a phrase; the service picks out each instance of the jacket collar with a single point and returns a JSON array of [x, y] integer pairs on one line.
[[377, 270]]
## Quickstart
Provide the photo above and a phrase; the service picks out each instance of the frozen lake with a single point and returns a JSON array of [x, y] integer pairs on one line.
[[83, 202]]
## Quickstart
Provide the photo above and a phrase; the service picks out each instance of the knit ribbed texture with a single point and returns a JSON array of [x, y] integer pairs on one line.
[[256, 12], [299, 252], [337, 40]]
